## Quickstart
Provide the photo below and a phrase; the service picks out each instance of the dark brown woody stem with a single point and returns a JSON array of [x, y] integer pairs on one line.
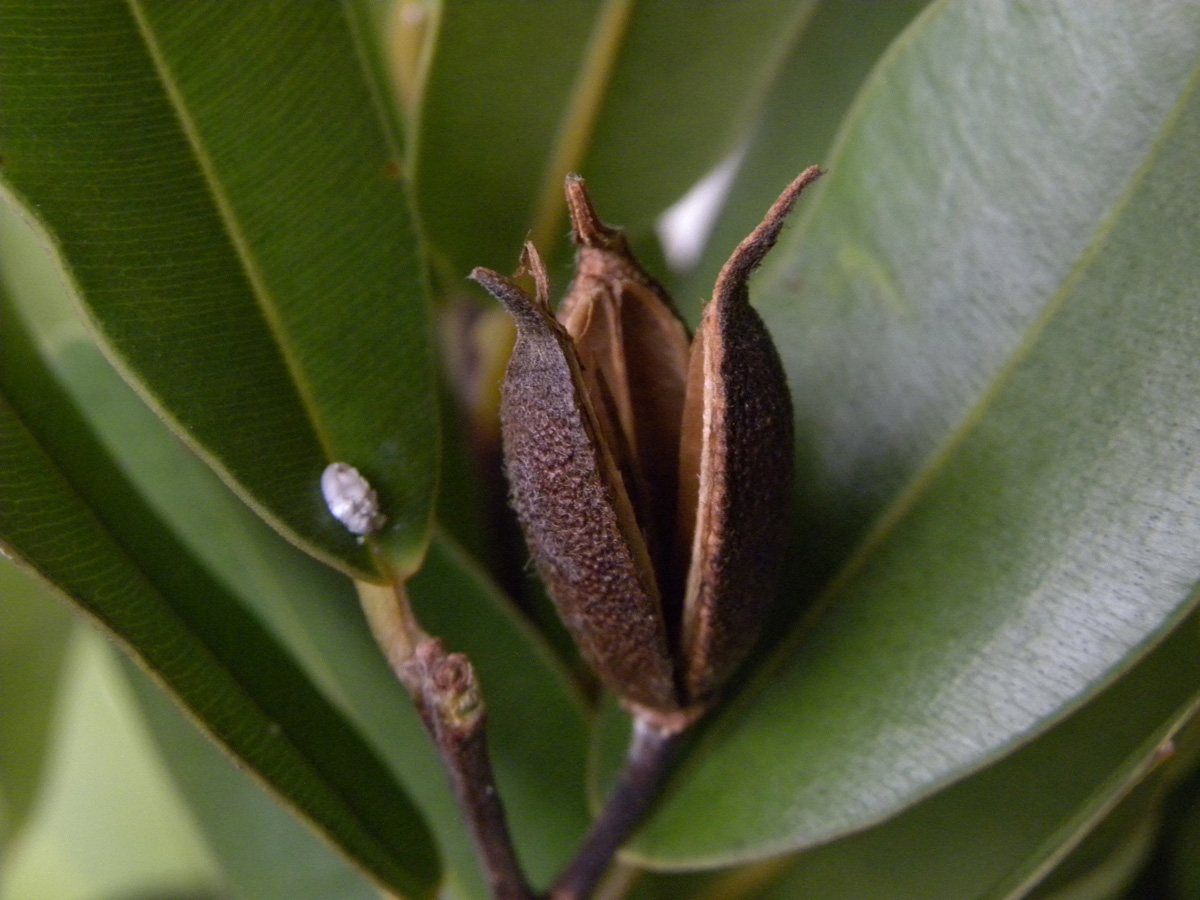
[[651, 752], [446, 693]]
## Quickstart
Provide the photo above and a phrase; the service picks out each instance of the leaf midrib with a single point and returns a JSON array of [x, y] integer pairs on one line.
[[263, 297], [390, 125]]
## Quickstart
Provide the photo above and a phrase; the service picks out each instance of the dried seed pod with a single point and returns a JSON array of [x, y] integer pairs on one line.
[[650, 473], [573, 506]]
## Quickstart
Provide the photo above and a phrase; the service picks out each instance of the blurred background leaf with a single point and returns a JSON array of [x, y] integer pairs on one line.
[[637, 98], [801, 114], [109, 823], [262, 851], [33, 640]]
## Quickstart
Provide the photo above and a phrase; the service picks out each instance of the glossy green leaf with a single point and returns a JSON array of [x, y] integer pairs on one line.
[[108, 823], [992, 835], [966, 192], [226, 201], [997, 833], [72, 516], [638, 98], [807, 102], [33, 635], [988, 317]]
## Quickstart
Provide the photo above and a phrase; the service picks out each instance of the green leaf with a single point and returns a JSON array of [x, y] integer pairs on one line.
[[108, 822], [71, 515], [33, 636], [1182, 856], [999, 831], [638, 98], [226, 202], [370, 25], [800, 116], [1106, 864], [965, 192], [1136, 841], [988, 317]]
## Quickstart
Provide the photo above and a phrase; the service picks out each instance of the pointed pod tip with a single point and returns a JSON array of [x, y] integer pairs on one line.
[[773, 221], [751, 251], [491, 281], [523, 308], [586, 226]]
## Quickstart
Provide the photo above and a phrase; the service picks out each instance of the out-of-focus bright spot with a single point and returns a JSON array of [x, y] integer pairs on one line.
[[684, 228], [413, 12]]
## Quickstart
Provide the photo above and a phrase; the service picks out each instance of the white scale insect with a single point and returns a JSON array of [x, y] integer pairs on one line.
[[351, 499]]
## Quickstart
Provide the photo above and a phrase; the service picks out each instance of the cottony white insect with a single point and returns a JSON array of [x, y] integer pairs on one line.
[[351, 499]]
